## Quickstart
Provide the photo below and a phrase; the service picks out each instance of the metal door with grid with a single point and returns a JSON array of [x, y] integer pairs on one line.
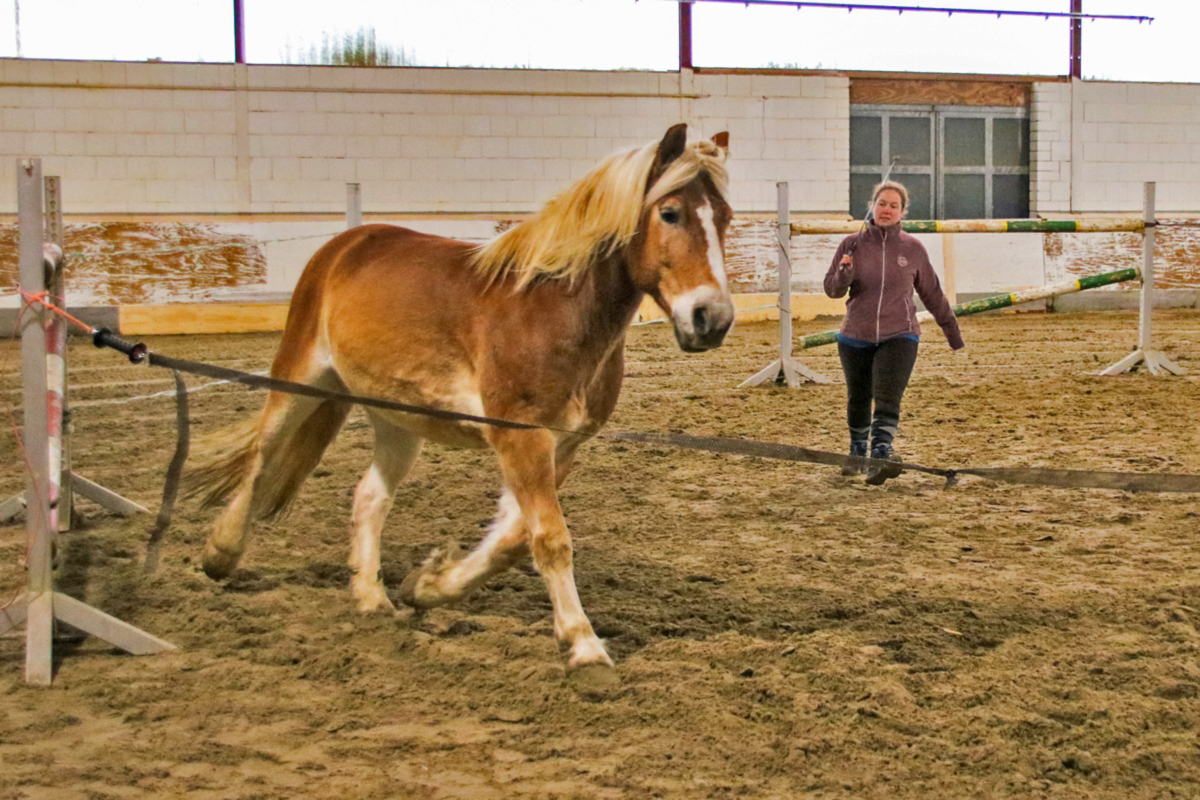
[[957, 162]]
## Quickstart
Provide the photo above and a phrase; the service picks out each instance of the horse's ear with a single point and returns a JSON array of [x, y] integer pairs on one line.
[[672, 144], [670, 148], [721, 140]]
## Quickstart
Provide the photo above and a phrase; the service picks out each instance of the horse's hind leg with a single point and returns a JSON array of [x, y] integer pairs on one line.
[[290, 439], [395, 451]]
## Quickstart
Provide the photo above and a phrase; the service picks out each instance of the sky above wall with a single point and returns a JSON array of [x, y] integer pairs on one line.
[[622, 34]]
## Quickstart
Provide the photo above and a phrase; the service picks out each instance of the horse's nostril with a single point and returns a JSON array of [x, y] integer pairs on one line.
[[700, 320]]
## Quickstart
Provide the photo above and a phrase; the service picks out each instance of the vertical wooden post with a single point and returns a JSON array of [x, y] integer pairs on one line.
[[40, 614], [783, 237], [792, 372], [949, 271], [40, 605], [1146, 305], [1153, 359], [353, 205]]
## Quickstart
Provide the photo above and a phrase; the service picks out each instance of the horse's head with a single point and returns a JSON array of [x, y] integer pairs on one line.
[[678, 254]]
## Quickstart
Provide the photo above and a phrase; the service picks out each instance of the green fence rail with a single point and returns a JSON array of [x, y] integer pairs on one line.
[[1085, 225], [1004, 300]]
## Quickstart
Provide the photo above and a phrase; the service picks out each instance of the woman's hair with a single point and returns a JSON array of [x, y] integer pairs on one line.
[[898, 188]]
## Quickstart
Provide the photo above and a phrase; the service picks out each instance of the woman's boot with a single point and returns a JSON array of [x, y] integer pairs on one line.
[[878, 473], [858, 449]]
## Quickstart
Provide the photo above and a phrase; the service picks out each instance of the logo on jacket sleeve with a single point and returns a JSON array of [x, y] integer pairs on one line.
[[902, 261]]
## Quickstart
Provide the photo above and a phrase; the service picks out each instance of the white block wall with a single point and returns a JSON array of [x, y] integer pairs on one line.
[[178, 139], [1096, 144], [1050, 150]]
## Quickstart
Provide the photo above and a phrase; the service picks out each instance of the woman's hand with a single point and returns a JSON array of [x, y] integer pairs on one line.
[[846, 263]]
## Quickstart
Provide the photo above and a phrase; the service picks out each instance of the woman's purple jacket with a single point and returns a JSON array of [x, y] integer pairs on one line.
[[888, 264]]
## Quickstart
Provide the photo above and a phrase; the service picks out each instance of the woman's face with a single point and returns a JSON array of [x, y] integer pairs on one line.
[[888, 208]]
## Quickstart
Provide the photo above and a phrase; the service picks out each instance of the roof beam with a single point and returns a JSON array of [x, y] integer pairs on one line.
[[992, 12]]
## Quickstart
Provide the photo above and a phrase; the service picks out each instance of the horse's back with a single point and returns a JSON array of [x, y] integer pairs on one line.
[[374, 275], [380, 256], [389, 312], [391, 284]]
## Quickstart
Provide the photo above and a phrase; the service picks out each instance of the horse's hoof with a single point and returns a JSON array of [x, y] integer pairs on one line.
[[376, 605], [419, 588], [218, 564], [595, 683], [416, 595]]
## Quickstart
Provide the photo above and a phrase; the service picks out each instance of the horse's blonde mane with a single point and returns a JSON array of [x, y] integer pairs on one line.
[[596, 216]]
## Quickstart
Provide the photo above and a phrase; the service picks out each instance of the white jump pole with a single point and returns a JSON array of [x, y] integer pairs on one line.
[[1145, 353], [55, 333], [353, 205], [39, 606], [792, 371], [61, 496], [63, 480]]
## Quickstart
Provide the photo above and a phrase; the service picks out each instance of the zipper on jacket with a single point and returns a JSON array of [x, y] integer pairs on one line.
[[882, 283]]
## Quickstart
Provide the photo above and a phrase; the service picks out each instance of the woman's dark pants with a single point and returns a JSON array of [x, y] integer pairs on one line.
[[876, 373]]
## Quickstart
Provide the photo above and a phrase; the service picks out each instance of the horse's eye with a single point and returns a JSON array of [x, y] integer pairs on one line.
[[669, 215]]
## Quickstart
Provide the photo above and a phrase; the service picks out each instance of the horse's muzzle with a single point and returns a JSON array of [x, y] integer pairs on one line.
[[702, 319]]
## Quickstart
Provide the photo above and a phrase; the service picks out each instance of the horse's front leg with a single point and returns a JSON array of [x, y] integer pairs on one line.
[[529, 520], [527, 459], [446, 577]]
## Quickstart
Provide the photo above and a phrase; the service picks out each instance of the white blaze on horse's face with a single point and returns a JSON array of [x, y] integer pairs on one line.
[[687, 237]]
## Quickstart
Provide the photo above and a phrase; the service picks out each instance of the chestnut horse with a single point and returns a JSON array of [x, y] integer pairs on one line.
[[529, 328]]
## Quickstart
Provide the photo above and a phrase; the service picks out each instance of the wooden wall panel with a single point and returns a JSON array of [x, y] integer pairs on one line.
[[202, 318], [939, 92]]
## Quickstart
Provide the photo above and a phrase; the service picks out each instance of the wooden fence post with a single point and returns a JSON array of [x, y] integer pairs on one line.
[[1153, 359], [785, 368], [40, 605]]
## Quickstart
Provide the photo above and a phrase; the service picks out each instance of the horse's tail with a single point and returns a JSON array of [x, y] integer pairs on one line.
[[271, 454], [224, 459], [278, 462]]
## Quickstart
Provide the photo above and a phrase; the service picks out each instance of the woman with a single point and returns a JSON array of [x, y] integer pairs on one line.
[[880, 267]]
